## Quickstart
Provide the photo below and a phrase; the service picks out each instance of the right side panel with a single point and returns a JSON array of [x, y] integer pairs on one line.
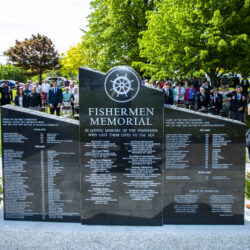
[[204, 169]]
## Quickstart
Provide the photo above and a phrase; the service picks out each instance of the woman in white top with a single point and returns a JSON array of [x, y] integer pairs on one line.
[[179, 93], [44, 92], [21, 99], [75, 101]]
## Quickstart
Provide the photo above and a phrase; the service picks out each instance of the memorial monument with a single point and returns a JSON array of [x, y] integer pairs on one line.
[[40, 166], [121, 141], [204, 168], [140, 163]]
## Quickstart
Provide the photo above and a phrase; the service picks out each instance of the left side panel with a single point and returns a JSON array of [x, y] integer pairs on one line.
[[41, 174]]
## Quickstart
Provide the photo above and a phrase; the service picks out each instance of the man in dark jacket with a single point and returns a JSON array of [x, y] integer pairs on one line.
[[35, 101], [168, 94], [202, 100], [237, 104], [55, 99], [216, 101], [6, 93]]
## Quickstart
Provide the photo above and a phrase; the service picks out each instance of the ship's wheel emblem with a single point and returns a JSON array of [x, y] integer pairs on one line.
[[122, 84]]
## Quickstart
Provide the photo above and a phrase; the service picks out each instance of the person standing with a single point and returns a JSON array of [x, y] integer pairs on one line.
[[190, 94], [34, 99], [29, 83], [237, 104], [244, 86], [6, 92], [201, 100], [168, 94], [60, 82], [224, 80], [21, 99], [55, 99], [26, 89], [44, 92], [38, 87], [179, 93], [75, 101], [71, 88], [236, 81], [225, 102], [66, 102], [207, 87], [216, 101], [18, 85], [66, 83]]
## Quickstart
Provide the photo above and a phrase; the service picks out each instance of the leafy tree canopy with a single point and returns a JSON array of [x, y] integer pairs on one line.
[[76, 57], [10, 72], [189, 35], [36, 54], [113, 31]]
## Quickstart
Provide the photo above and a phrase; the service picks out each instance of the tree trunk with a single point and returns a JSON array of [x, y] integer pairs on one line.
[[40, 76], [213, 78]]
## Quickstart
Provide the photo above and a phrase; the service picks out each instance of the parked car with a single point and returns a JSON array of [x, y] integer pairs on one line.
[[11, 83], [60, 80]]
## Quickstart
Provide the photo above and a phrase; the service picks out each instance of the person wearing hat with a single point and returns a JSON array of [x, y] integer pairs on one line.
[[6, 92], [237, 104], [168, 94], [216, 101], [206, 86], [202, 99]]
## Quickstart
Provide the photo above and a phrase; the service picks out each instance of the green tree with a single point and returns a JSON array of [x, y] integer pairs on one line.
[[191, 35], [10, 72], [113, 32], [36, 54], [74, 58]]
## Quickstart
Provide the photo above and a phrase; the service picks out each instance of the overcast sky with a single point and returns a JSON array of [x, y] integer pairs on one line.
[[60, 20]]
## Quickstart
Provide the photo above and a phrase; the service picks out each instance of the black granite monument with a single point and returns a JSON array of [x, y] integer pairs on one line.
[[140, 163], [121, 147], [40, 166], [204, 168]]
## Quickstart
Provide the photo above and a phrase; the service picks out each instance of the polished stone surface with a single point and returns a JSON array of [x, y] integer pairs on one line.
[[204, 170], [121, 143], [40, 166], [47, 235]]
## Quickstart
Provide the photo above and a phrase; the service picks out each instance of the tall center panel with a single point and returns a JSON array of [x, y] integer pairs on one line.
[[121, 149]]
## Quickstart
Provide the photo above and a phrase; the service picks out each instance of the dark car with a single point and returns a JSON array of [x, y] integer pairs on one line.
[[10, 83]]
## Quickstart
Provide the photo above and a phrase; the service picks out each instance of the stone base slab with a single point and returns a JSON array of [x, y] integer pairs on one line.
[[47, 235]]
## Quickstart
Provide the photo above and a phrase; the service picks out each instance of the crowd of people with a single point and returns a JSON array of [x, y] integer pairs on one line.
[[39, 97], [198, 94], [194, 93]]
